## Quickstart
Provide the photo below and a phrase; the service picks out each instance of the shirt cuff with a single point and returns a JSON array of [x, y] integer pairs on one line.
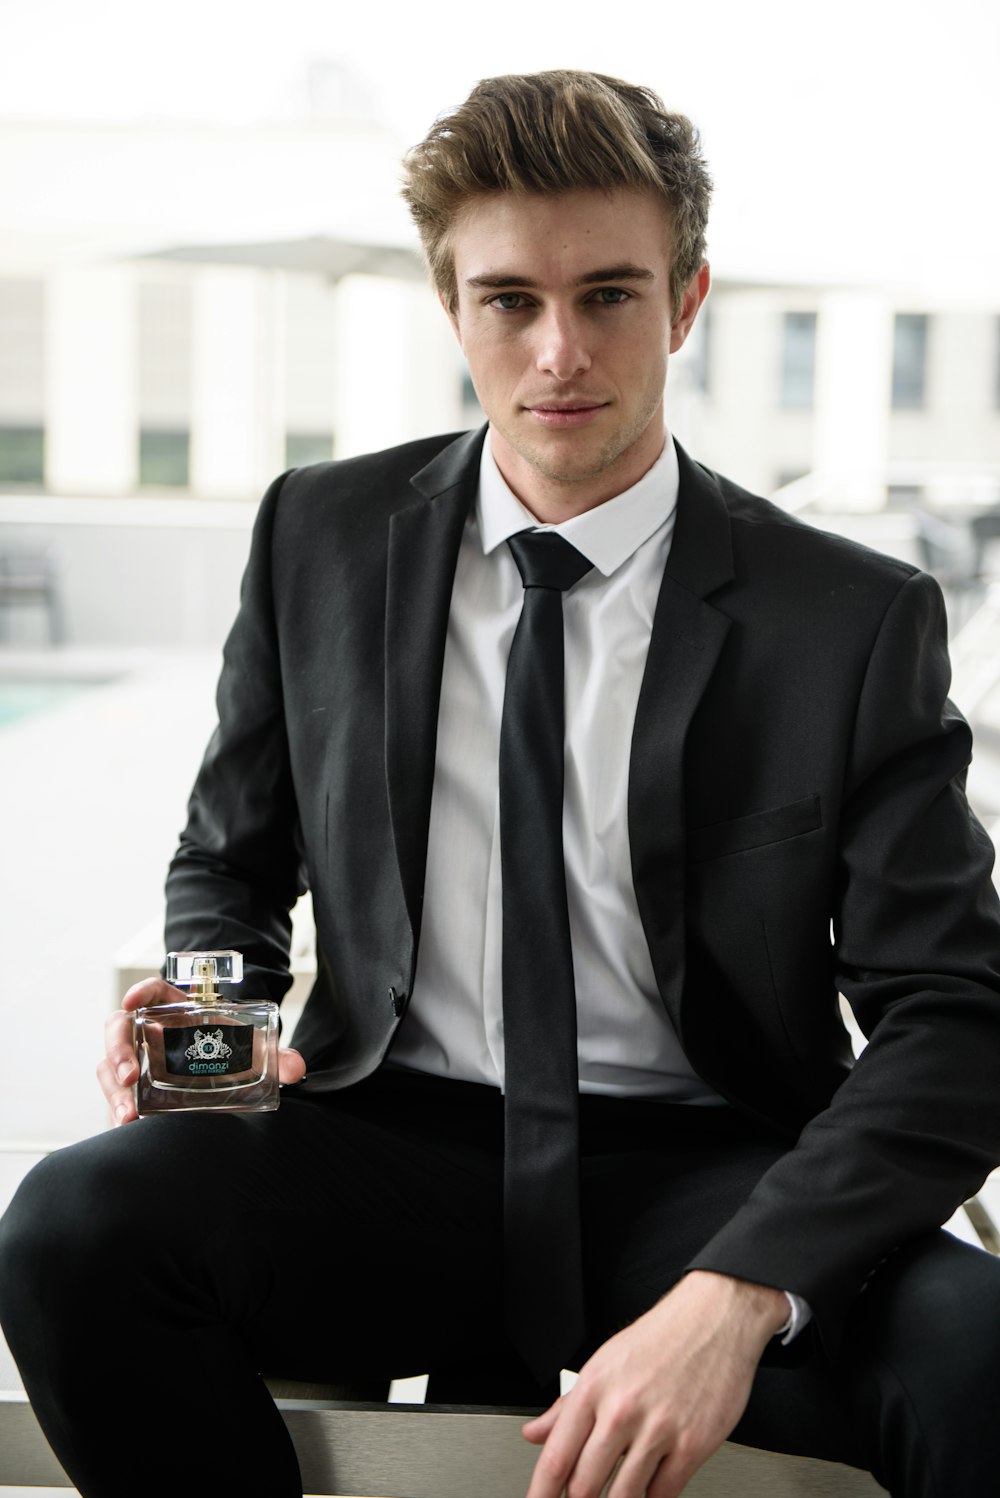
[[799, 1316]]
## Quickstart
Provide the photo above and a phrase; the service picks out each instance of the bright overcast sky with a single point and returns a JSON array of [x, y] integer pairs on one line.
[[848, 139]]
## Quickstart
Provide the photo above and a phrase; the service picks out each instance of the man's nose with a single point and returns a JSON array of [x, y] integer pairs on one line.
[[563, 348]]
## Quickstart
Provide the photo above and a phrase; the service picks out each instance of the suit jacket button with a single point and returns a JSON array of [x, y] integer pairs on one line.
[[398, 1002]]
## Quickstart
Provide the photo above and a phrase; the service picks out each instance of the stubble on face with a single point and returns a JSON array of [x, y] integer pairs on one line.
[[580, 463]]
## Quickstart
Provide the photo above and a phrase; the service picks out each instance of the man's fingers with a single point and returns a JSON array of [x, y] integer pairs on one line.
[[120, 1099], [119, 1050], [571, 1422], [616, 1441], [537, 1429], [291, 1065], [118, 1069], [674, 1473], [151, 991], [633, 1477], [668, 1481]]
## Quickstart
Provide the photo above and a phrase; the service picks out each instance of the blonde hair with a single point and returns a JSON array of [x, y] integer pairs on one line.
[[550, 133]]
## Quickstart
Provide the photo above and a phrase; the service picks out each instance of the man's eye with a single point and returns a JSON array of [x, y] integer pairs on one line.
[[508, 301], [612, 296]]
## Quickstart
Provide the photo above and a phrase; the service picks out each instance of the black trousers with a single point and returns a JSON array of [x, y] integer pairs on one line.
[[148, 1275]]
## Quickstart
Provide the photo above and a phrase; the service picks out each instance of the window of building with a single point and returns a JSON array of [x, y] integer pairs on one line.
[[164, 458], [22, 455], [165, 318], [798, 360], [909, 361], [22, 382], [302, 448]]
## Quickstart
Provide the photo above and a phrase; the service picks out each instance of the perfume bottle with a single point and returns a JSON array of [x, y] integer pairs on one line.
[[206, 1051]]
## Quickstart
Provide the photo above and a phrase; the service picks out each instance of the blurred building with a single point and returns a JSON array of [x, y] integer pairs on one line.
[[886, 396], [186, 311], [154, 377], [177, 315], [124, 373]]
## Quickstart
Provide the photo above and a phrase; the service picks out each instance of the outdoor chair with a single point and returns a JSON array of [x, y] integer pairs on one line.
[[28, 581]]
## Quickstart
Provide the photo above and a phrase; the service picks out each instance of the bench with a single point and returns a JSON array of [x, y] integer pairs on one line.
[[359, 1448]]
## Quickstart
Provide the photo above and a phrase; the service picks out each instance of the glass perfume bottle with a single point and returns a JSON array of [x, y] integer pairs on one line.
[[206, 1051]]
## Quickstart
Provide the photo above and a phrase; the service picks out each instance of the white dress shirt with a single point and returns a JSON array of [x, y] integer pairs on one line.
[[454, 1027]]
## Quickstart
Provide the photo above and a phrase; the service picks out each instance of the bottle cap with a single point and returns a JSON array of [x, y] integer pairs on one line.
[[186, 969]]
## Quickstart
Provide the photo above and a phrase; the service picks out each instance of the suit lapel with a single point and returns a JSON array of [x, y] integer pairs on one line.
[[424, 539], [684, 646]]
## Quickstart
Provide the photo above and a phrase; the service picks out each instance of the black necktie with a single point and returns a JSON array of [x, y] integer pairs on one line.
[[542, 1254]]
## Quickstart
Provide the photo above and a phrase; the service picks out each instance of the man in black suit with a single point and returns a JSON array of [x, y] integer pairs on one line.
[[764, 806]]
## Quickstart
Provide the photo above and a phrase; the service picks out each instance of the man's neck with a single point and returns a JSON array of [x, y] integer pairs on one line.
[[553, 500]]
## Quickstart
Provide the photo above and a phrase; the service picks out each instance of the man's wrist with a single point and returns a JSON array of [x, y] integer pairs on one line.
[[768, 1305], [762, 1309]]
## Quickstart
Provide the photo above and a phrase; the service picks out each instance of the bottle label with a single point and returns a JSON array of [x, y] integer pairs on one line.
[[209, 1050]]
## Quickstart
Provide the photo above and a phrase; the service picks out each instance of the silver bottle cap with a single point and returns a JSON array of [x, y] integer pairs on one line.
[[191, 969]]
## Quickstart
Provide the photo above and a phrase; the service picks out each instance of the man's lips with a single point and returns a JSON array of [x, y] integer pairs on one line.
[[565, 413]]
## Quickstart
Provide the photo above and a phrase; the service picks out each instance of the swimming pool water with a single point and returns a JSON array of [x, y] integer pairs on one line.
[[22, 699]]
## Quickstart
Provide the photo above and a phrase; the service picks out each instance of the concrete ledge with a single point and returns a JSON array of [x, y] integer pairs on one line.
[[435, 1451], [25, 1457]]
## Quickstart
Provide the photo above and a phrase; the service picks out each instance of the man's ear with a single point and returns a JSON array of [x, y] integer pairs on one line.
[[693, 297]]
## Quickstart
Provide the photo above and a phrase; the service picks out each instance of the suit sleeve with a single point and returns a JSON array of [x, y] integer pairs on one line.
[[915, 1128], [237, 870]]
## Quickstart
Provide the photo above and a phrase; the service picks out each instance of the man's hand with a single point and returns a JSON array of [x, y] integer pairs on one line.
[[118, 1070], [659, 1396]]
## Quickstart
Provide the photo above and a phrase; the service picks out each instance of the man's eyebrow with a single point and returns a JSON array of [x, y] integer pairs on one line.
[[626, 272], [504, 281]]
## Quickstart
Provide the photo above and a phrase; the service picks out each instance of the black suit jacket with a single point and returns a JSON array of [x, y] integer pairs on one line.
[[795, 763]]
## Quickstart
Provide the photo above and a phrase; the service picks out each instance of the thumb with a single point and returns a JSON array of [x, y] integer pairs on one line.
[[291, 1065]]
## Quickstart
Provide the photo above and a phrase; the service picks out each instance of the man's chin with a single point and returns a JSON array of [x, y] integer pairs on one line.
[[565, 457], [570, 468]]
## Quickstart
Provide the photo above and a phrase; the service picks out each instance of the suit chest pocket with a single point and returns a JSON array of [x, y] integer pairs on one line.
[[758, 830]]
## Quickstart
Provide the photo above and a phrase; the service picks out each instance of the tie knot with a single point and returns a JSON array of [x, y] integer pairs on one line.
[[546, 560]]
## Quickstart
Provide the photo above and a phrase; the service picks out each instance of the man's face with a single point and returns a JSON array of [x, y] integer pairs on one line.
[[564, 317]]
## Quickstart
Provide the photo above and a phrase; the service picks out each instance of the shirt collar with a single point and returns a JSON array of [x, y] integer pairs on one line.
[[607, 535]]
